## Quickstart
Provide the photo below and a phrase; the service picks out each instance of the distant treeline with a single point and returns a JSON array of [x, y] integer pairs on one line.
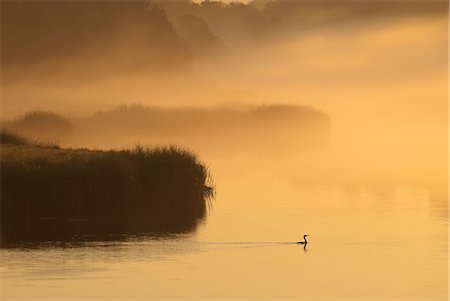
[[144, 34], [50, 193], [261, 19], [217, 129]]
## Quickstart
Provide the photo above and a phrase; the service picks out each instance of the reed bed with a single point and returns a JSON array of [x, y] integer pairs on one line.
[[50, 193]]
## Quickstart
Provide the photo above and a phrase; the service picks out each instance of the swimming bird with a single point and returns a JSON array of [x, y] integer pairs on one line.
[[304, 242]]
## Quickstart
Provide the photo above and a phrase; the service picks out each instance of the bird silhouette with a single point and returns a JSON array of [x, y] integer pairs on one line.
[[304, 242]]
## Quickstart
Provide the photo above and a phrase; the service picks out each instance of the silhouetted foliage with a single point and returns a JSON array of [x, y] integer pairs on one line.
[[61, 194], [130, 34], [7, 137], [278, 18], [95, 36], [232, 22], [260, 129], [41, 125], [197, 35]]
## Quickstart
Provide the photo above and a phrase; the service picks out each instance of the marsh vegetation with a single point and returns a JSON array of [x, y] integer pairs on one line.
[[54, 193], [251, 129], [322, 117]]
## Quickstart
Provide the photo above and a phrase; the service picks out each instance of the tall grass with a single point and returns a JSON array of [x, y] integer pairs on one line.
[[42, 125], [10, 138], [50, 193], [7, 137]]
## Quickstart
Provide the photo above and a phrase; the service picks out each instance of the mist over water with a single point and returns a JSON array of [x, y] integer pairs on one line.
[[320, 118]]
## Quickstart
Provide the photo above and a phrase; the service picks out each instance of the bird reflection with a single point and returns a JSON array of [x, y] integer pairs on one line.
[[304, 242]]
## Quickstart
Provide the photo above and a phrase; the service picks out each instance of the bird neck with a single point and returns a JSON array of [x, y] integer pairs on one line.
[[304, 238]]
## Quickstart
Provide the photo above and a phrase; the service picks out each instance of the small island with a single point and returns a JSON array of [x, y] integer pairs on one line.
[[51, 193]]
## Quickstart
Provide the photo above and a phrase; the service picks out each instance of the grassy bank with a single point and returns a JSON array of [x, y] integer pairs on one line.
[[52, 193], [275, 130]]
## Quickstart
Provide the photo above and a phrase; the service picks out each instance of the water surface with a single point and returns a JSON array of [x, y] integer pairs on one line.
[[366, 241]]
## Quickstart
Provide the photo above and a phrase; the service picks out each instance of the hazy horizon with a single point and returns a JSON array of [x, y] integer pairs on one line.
[[327, 118]]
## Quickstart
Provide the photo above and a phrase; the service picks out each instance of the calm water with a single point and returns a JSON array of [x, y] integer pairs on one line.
[[366, 241]]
